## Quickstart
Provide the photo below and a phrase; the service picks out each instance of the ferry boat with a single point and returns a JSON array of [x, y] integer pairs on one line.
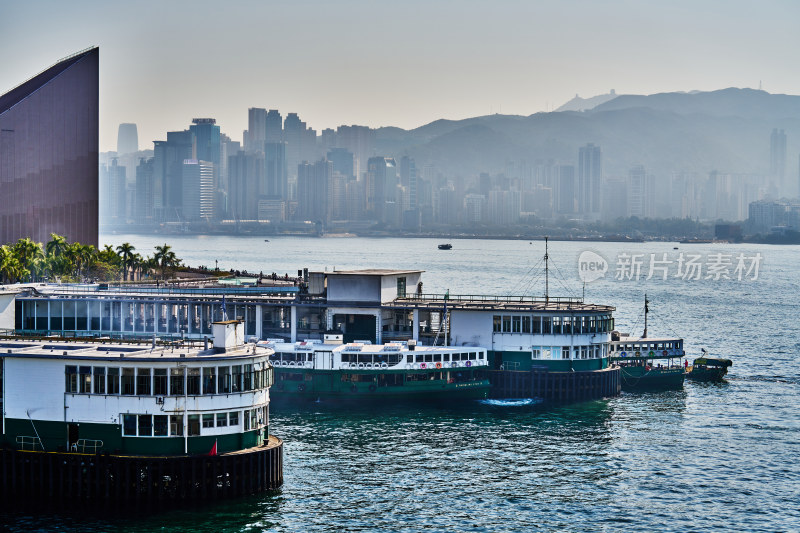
[[167, 407], [446, 246], [648, 362], [708, 368], [330, 370]]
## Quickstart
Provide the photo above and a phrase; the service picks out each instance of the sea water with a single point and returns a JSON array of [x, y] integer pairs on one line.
[[709, 457]]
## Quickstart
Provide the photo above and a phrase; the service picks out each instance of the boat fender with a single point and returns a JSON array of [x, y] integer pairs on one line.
[[438, 365], [372, 387], [468, 363], [301, 387]]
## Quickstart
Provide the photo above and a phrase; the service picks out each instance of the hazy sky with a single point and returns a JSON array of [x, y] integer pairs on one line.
[[400, 63]]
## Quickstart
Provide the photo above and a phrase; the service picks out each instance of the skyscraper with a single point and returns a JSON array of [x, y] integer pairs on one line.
[[256, 129], [590, 180], [276, 174], [49, 153], [381, 184], [127, 139], [777, 155], [274, 126], [198, 190]]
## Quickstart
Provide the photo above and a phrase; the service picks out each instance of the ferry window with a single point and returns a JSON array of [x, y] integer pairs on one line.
[[72, 378], [127, 381], [193, 425], [145, 425], [143, 381], [536, 325], [516, 324], [193, 381], [583, 352], [253, 418], [472, 355], [506, 324], [248, 377], [565, 352], [401, 287], [236, 378], [113, 380], [576, 352], [428, 357], [546, 325], [233, 418], [222, 419], [160, 381], [209, 380], [496, 323], [176, 381], [224, 379], [557, 325], [447, 357], [176, 425], [246, 420], [526, 324], [409, 358], [129, 425], [99, 380], [208, 421], [545, 352], [160, 426], [437, 357], [85, 379], [567, 325], [536, 353], [592, 324]]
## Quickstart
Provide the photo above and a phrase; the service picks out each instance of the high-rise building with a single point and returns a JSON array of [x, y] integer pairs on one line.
[[246, 176], [198, 190], [343, 161], [256, 133], [276, 180], [49, 153], [590, 180], [408, 179], [313, 186], [640, 192], [144, 207], [169, 157], [777, 155], [113, 193], [381, 184], [274, 126], [565, 190], [127, 139]]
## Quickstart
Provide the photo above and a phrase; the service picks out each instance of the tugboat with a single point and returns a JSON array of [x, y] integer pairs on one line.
[[358, 371], [648, 363], [446, 246], [708, 368]]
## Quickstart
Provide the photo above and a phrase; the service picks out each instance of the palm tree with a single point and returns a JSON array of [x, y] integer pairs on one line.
[[137, 264], [166, 259], [10, 268], [55, 251], [125, 252], [28, 253]]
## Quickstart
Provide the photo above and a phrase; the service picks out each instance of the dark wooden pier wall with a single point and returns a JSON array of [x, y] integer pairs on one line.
[[74, 477], [555, 386]]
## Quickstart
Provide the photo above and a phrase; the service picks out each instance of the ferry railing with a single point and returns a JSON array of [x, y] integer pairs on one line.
[[87, 446], [510, 365], [488, 299], [29, 444]]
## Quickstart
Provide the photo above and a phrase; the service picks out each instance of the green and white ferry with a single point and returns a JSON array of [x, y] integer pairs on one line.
[[329, 370]]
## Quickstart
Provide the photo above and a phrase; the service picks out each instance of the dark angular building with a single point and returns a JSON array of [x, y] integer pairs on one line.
[[48, 153]]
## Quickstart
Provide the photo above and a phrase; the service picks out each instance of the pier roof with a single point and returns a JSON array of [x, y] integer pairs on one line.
[[475, 302], [372, 272]]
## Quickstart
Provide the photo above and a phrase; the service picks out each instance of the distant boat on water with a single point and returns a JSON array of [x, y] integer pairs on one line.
[[447, 246]]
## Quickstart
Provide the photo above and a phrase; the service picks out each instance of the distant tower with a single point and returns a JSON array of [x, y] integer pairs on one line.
[[127, 139], [256, 129], [777, 155]]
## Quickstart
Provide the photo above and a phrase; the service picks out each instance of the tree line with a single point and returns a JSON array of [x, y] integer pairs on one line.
[[59, 260]]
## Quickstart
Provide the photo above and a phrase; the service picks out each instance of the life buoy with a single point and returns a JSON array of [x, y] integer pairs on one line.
[[638, 354], [372, 387], [468, 363], [652, 353], [665, 352], [384, 365], [623, 354], [422, 366], [438, 365], [360, 365], [301, 387]]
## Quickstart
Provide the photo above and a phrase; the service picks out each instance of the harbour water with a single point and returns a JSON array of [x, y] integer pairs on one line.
[[709, 457]]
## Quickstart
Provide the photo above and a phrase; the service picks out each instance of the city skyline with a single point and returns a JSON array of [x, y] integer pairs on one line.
[[421, 63]]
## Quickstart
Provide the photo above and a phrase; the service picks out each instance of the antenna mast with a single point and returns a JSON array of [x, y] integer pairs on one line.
[[646, 310], [546, 274]]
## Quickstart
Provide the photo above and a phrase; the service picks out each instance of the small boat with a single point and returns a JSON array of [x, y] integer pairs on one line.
[[447, 246], [266, 240], [708, 368]]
